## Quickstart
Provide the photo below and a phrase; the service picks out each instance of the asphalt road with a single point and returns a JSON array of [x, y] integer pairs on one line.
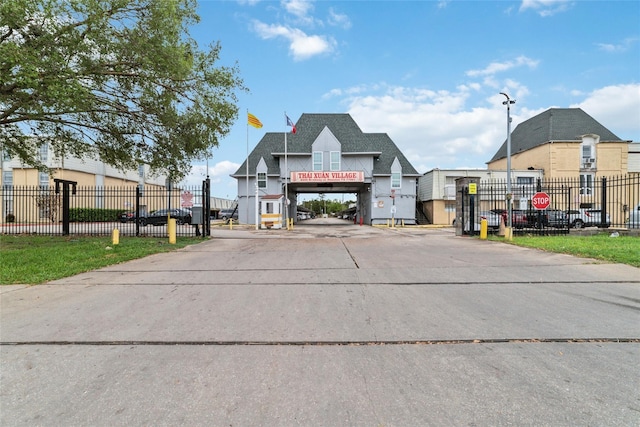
[[337, 325]]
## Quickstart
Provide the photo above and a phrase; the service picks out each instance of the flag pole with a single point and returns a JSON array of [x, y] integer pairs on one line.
[[286, 180], [247, 169]]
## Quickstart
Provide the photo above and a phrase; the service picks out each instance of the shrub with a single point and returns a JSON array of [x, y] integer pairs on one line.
[[93, 215]]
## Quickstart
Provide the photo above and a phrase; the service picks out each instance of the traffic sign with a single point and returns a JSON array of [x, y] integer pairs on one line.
[[540, 200], [186, 199]]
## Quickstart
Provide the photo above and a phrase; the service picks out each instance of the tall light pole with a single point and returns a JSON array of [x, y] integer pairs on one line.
[[508, 103]]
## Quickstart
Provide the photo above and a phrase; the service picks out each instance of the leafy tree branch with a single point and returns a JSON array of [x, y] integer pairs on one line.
[[119, 79]]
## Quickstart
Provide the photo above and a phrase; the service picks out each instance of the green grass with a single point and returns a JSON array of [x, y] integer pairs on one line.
[[622, 249], [38, 259]]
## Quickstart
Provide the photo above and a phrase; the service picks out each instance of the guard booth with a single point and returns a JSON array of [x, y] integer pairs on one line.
[[271, 211]]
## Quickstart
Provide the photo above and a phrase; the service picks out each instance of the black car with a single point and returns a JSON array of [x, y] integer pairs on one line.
[[159, 217], [130, 216], [557, 218]]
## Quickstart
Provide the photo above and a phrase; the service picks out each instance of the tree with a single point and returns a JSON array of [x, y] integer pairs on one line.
[[118, 79]]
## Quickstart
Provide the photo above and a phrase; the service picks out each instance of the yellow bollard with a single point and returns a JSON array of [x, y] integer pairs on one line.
[[402, 222], [483, 228], [115, 236], [508, 233], [230, 223], [171, 228]]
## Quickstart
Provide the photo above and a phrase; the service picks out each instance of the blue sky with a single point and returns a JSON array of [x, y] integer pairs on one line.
[[427, 73]]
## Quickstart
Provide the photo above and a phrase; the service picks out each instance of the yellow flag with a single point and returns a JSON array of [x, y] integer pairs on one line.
[[253, 121]]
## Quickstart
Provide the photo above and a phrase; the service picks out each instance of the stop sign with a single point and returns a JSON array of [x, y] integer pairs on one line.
[[540, 200]]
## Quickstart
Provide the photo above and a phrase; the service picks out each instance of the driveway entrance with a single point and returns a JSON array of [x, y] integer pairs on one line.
[[343, 325]]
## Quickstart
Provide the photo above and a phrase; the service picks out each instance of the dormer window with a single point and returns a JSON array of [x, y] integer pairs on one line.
[[396, 180], [262, 180], [317, 160], [335, 161], [396, 175]]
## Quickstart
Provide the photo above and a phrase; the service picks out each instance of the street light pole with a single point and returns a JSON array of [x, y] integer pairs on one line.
[[508, 103]]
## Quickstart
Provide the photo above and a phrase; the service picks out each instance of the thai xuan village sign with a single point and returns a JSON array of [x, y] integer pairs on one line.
[[356, 176]]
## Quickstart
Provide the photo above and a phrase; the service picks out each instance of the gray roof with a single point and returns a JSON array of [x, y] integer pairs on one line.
[[343, 127], [555, 124]]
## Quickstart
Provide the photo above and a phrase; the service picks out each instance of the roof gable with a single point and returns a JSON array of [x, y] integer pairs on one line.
[[555, 124], [343, 128]]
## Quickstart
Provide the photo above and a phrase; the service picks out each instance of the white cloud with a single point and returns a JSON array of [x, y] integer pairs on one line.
[[454, 129], [499, 67], [301, 45], [218, 175], [615, 107], [546, 8], [433, 128], [299, 8], [338, 19], [620, 47]]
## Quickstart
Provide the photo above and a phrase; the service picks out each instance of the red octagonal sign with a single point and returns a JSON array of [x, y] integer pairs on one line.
[[540, 200]]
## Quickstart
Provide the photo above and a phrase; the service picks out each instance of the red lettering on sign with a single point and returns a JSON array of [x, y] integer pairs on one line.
[[540, 200]]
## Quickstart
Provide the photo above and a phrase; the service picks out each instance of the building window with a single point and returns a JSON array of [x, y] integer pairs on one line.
[[335, 161], [396, 179], [262, 180], [7, 179], [44, 152], [586, 184], [43, 179], [317, 160], [524, 180], [450, 191]]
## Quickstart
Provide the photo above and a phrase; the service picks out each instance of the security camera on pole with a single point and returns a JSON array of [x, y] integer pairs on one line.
[[509, 197]]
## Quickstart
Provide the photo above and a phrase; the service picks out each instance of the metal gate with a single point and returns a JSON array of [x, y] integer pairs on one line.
[[68, 209]]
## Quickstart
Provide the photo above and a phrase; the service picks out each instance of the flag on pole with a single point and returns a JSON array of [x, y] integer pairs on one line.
[[290, 123], [253, 121]]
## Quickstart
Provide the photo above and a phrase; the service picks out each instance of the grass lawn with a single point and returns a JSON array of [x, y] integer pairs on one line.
[[622, 249], [38, 259]]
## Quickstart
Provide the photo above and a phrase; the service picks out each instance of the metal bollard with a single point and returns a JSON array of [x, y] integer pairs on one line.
[[483, 228], [171, 228]]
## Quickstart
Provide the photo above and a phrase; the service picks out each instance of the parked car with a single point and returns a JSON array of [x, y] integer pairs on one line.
[[579, 218], [127, 216], [493, 218], [518, 218], [159, 217], [228, 213], [557, 218], [634, 218]]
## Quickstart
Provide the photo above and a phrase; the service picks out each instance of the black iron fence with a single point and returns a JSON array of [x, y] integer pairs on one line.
[[604, 202], [135, 211]]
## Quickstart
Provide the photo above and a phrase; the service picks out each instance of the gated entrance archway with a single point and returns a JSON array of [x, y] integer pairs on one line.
[[329, 154]]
